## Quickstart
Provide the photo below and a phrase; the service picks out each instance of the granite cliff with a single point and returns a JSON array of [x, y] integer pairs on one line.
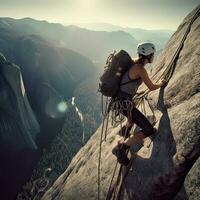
[[18, 130]]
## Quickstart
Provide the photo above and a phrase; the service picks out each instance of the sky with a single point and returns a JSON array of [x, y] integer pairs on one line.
[[147, 14]]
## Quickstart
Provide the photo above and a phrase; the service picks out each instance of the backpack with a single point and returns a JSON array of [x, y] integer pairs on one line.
[[116, 65]]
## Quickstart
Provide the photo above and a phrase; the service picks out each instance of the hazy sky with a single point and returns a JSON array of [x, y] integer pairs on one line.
[[148, 14]]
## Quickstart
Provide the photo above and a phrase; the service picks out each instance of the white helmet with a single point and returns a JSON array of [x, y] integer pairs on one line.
[[146, 48]]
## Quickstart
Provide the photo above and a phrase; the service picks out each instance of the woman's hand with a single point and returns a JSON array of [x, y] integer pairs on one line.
[[145, 77], [163, 82]]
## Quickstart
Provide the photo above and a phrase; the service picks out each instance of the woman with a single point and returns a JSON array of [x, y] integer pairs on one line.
[[138, 75]]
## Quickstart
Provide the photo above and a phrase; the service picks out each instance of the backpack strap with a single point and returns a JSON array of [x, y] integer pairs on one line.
[[129, 82]]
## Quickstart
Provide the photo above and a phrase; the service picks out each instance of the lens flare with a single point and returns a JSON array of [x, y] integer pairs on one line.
[[62, 106]]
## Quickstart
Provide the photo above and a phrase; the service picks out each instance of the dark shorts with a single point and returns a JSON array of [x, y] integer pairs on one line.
[[135, 116]]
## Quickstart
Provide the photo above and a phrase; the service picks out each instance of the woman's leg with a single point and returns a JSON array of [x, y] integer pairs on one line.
[[129, 124], [134, 139], [146, 128]]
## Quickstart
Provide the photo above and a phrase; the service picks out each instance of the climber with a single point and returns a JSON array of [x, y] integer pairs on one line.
[[138, 73]]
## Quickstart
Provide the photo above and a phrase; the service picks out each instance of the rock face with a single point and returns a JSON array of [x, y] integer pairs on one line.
[[160, 166], [18, 125], [18, 130]]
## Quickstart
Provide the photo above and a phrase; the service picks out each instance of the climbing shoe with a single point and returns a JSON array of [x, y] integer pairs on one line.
[[120, 152], [125, 132]]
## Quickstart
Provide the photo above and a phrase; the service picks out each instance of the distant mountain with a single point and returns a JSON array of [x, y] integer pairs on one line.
[[159, 37], [110, 27], [50, 74], [42, 61], [94, 44]]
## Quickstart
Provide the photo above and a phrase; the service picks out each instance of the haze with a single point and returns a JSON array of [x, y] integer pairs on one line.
[[147, 14]]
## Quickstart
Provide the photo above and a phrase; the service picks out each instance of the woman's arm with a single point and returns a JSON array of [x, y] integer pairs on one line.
[[145, 77]]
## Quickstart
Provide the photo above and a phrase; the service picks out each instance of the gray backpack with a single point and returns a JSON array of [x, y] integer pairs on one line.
[[116, 65]]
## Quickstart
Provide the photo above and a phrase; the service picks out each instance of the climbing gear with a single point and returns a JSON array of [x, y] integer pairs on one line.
[[125, 132], [146, 48], [120, 152], [116, 65], [124, 95], [115, 107]]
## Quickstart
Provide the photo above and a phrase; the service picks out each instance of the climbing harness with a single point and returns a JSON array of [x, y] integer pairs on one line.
[[114, 193]]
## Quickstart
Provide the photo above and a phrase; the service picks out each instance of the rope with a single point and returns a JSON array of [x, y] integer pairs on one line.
[[116, 108], [139, 99], [115, 192], [112, 178], [123, 178], [107, 118], [104, 114], [112, 192], [168, 72]]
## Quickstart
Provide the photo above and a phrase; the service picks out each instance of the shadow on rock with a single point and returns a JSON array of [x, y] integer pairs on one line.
[[146, 171]]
